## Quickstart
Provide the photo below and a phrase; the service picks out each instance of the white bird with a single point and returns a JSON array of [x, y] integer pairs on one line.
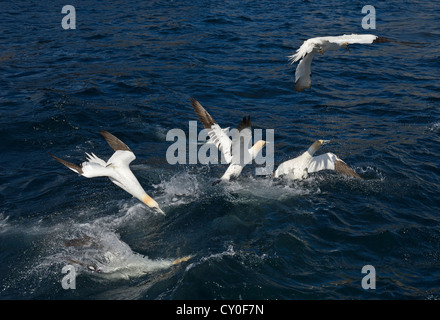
[[310, 47], [116, 169], [231, 149], [300, 167]]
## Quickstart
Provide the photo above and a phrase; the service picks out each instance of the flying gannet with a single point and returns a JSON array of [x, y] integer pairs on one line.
[[300, 167], [231, 149], [310, 47], [116, 169]]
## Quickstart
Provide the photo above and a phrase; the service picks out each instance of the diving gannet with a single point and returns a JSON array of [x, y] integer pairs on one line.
[[231, 149], [300, 167], [116, 169], [310, 47]]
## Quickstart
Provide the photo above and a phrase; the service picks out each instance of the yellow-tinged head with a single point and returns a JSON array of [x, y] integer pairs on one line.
[[322, 142], [260, 144], [256, 148], [180, 260], [316, 145]]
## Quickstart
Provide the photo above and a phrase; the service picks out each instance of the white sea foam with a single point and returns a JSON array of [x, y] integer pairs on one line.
[[266, 189], [4, 225], [106, 255], [435, 127], [245, 257], [179, 189], [371, 172], [96, 250]]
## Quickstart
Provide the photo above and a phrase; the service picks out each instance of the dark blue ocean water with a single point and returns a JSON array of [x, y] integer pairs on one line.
[[131, 67]]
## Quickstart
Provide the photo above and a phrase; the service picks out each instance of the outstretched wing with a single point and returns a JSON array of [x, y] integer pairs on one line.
[[324, 161], [123, 155], [308, 50], [217, 135], [305, 54], [307, 47], [242, 138], [354, 38], [88, 169], [69, 165], [114, 142], [121, 158], [343, 168], [330, 161], [304, 71]]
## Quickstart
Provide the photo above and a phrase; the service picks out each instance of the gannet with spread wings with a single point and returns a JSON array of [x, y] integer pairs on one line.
[[116, 169], [310, 47], [231, 149], [300, 167]]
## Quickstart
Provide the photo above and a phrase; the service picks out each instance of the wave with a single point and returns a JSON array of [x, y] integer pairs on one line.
[[435, 127], [104, 254], [180, 189], [101, 240], [94, 248], [4, 225], [243, 256]]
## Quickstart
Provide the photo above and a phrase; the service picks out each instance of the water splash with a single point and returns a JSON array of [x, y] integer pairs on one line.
[[243, 256], [435, 127], [4, 225], [179, 189]]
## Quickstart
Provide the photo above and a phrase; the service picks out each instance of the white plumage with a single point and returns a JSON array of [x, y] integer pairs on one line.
[[231, 149], [310, 47], [116, 169], [300, 167]]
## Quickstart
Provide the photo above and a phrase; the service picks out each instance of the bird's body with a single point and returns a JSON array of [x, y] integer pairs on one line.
[[310, 47], [116, 169], [300, 167], [236, 152]]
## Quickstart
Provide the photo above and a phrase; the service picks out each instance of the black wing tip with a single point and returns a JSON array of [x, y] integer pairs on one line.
[[69, 165], [406, 43], [203, 115], [244, 123], [55, 157], [344, 169], [103, 132], [106, 134], [113, 141], [195, 103], [381, 40], [198, 108], [216, 182]]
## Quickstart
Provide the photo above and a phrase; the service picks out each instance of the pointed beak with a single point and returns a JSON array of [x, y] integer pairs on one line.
[[157, 209], [323, 142], [150, 202]]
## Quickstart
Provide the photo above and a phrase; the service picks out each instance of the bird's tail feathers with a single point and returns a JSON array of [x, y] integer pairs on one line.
[[294, 57], [94, 158]]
